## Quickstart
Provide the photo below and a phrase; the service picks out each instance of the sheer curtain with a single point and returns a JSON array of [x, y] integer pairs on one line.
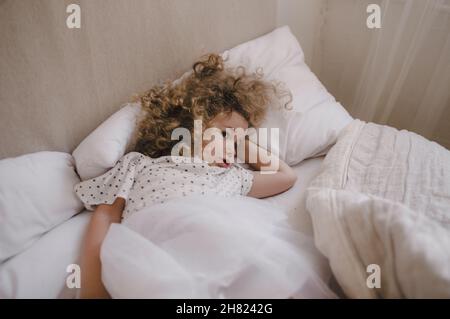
[[397, 75]]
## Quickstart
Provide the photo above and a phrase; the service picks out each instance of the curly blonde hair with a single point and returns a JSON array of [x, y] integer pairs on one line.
[[209, 90]]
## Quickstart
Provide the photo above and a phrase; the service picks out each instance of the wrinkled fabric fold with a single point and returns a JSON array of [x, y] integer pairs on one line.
[[211, 247]]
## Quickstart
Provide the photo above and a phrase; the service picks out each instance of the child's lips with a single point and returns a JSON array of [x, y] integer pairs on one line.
[[224, 165]]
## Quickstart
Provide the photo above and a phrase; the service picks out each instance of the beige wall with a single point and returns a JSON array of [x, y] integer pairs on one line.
[[304, 19], [58, 84]]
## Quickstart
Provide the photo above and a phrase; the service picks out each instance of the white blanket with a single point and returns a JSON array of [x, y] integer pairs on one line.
[[383, 198], [211, 247]]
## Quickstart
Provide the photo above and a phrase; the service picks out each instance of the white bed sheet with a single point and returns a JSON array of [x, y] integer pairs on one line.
[[295, 198], [40, 271]]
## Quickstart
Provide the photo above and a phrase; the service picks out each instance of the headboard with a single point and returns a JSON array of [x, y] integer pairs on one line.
[[58, 84]]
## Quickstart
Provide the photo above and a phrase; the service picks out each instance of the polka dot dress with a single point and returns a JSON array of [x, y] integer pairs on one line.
[[144, 181]]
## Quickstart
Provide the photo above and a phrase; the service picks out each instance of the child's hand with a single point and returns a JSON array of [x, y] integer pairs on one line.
[[274, 175]]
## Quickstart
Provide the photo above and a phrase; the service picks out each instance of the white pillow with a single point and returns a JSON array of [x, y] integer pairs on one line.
[[101, 149], [315, 119], [305, 131], [36, 194]]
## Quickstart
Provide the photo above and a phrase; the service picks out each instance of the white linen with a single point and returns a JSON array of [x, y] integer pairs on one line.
[[47, 273], [102, 148], [36, 194], [294, 199], [210, 247], [383, 198], [40, 271]]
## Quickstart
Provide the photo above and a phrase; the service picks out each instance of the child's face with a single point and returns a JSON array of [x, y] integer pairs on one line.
[[223, 121]]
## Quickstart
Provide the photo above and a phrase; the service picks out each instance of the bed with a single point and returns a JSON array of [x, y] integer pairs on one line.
[[368, 208], [75, 80], [367, 195], [41, 270], [40, 246]]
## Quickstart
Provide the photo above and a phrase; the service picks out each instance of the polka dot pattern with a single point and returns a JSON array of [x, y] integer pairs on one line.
[[144, 181]]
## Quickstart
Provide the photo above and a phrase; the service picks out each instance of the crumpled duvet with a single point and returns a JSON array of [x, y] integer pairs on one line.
[[211, 247], [383, 198]]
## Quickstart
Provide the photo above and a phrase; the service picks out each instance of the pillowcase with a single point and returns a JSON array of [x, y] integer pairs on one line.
[[315, 119], [101, 149], [36, 194], [306, 130]]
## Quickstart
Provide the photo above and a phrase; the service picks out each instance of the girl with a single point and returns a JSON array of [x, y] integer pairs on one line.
[[221, 98]]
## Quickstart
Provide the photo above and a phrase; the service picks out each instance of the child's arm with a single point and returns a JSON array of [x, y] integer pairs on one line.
[[91, 279], [277, 177]]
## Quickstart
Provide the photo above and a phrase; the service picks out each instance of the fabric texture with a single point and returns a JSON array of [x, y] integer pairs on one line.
[[383, 198], [41, 270], [211, 247], [48, 275], [144, 181], [36, 194], [102, 148]]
